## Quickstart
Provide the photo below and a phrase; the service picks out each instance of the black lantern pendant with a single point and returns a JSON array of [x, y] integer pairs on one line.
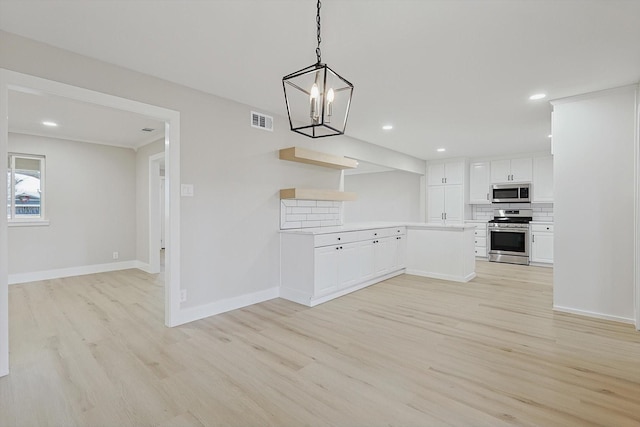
[[318, 98]]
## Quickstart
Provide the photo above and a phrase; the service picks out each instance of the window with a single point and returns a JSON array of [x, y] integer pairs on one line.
[[25, 188]]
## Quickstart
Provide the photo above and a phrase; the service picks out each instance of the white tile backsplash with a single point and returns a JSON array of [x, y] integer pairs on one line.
[[541, 211], [310, 213]]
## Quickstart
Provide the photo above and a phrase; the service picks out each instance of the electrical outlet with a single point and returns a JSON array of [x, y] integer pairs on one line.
[[115, 255], [183, 295]]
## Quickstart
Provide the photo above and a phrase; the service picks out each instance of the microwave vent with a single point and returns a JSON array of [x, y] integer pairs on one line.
[[261, 121]]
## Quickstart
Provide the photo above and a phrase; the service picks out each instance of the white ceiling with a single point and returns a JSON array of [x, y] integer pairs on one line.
[[80, 121], [454, 74]]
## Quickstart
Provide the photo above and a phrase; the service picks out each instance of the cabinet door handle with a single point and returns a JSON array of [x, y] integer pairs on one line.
[[487, 196], [533, 238], [338, 238]]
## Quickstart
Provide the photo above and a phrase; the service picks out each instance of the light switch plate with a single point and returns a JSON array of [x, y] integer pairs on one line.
[[186, 190]]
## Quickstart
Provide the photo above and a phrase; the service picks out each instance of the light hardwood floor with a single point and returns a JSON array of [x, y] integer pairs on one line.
[[410, 351]]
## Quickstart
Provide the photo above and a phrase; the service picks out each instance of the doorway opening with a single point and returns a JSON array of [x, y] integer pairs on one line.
[[13, 81]]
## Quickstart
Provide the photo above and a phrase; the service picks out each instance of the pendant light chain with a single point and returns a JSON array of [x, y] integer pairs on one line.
[[318, 53]]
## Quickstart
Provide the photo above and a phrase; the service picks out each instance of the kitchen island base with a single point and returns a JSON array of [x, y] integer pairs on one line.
[[321, 264], [446, 253]]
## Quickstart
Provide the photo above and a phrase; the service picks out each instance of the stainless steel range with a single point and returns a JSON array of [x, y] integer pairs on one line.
[[509, 236]]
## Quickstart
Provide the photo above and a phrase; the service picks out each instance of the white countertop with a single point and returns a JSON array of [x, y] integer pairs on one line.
[[374, 225]]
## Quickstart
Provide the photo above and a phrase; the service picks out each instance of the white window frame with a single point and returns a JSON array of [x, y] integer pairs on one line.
[[12, 221]]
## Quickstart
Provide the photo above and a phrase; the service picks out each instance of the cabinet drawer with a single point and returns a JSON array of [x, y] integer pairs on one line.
[[335, 238], [542, 228], [382, 232], [480, 232], [481, 251], [481, 241]]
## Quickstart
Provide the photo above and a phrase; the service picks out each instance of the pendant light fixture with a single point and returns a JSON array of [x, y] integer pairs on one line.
[[317, 98]]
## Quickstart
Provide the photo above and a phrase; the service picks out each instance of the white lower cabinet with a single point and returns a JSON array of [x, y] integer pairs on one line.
[[542, 243], [326, 270], [312, 274], [480, 239]]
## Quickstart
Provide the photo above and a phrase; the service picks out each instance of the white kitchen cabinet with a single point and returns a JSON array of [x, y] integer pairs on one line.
[[542, 180], [400, 252], [317, 268], [511, 170], [479, 183], [480, 239], [384, 255], [349, 265], [447, 173], [542, 243], [445, 203], [326, 270]]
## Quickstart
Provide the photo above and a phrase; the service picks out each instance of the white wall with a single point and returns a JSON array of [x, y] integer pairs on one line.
[[229, 229], [593, 140], [142, 198], [90, 202], [383, 196]]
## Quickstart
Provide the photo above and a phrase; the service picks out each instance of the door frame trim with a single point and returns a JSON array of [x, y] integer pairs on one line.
[[11, 80]]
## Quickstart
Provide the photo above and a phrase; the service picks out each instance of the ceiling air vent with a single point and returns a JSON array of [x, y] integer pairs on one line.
[[261, 121]]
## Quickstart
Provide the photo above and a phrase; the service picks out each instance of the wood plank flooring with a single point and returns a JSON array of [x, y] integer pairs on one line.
[[93, 351]]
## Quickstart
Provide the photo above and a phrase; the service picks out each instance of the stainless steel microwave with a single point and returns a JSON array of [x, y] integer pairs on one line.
[[511, 193]]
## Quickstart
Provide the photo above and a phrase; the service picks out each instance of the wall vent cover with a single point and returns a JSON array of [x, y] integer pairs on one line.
[[261, 121]]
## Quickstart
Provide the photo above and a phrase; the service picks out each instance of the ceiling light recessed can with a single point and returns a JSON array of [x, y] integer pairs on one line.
[[387, 127], [549, 136], [441, 150], [51, 124], [538, 96]]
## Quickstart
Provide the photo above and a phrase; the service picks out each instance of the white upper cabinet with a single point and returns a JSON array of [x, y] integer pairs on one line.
[[542, 179], [513, 170], [479, 182], [449, 173]]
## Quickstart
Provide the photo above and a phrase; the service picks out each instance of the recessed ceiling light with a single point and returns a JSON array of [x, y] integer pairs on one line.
[[387, 127], [52, 124], [550, 136], [440, 150], [538, 96]]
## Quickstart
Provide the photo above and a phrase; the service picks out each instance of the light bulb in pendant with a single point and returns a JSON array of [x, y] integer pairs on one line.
[[313, 99], [330, 97]]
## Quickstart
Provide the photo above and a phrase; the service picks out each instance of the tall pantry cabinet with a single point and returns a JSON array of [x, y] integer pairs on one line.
[[447, 192]]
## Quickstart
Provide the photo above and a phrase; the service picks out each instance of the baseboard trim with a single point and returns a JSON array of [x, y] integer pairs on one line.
[[192, 314], [35, 276], [593, 314], [144, 267], [343, 292], [450, 277]]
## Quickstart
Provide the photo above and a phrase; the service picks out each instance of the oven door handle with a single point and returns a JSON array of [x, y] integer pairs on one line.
[[510, 230]]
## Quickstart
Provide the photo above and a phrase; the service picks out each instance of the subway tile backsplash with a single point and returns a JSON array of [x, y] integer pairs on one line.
[[310, 213], [541, 211]]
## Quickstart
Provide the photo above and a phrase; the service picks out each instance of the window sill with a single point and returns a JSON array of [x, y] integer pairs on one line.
[[28, 223]]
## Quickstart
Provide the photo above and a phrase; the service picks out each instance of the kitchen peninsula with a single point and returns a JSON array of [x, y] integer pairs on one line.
[[320, 264]]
